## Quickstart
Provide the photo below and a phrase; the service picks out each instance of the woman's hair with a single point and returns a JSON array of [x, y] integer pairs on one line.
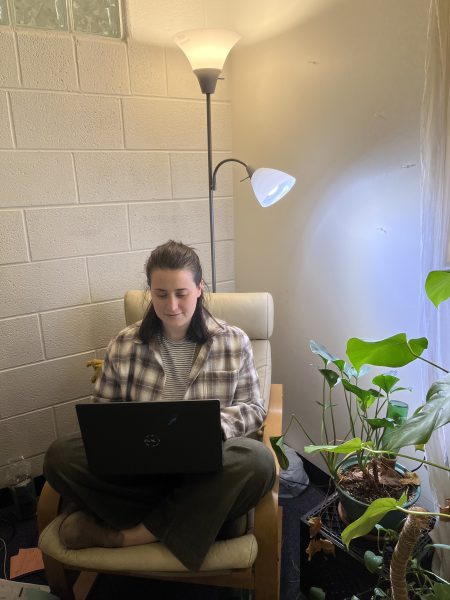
[[173, 256]]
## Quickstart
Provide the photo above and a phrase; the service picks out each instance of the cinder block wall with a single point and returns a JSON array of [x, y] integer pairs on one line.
[[102, 158]]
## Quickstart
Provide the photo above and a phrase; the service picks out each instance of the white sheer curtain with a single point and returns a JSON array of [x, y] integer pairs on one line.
[[435, 324]]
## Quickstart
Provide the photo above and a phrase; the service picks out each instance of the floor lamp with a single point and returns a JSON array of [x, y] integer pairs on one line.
[[207, 50]]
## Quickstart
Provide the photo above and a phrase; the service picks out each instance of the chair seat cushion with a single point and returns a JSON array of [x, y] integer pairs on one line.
[[236, 553]]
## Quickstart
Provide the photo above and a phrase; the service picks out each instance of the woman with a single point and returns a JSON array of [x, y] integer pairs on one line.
[[178, 351]]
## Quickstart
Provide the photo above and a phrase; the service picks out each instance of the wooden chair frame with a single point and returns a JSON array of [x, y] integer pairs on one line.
[[264, 575]]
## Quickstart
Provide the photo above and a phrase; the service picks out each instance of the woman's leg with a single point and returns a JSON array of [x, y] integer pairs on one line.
[[184, 512], [119, 502], [191, 516]]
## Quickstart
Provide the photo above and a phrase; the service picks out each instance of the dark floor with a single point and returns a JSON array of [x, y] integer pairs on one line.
[[296, 571]]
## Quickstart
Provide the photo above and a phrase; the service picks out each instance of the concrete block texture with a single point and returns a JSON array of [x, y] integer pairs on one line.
[[154, 223], [13, 246], [182, 81], [65, 121], [111, 275], [21, 341], [33, 287], [66, 417], [122, 176], [8, 73], [54, 53], [26, 435], [77, 230], [167, 124], [44, 384], [103, 66], [147, 69], [190, 174], [5, 128], [37, 178], [73, 330]]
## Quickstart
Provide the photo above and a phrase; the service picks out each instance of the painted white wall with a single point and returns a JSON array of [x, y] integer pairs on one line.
[[335, 101], [102, 157]]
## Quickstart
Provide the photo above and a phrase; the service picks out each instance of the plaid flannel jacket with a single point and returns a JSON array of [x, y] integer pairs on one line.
[[223, 369]]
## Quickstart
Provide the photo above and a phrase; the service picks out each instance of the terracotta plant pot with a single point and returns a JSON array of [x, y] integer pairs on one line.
[[353, 508]]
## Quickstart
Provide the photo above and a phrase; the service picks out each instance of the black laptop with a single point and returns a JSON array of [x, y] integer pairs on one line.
[[143, 438]]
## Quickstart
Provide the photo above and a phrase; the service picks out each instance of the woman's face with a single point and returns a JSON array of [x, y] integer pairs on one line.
[[174, 296]]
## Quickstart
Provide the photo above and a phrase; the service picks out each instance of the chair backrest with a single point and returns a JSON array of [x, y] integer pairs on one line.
[[251, 312]]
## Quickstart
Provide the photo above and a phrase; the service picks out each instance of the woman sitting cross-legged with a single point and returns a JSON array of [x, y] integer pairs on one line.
[[179, 351]]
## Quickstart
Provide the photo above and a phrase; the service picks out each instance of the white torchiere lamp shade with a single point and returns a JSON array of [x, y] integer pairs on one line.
[[270, 185], [206, 50]]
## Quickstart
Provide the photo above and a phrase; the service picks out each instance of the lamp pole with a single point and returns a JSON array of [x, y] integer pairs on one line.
[[211, 192]]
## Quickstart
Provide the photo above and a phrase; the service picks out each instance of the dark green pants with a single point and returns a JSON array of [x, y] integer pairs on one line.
[[185, 512]]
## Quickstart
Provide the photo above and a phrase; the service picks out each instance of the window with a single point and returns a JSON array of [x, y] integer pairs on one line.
[[97, 17]]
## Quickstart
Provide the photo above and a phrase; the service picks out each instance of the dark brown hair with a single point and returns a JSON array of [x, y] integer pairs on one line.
[[173, 256]]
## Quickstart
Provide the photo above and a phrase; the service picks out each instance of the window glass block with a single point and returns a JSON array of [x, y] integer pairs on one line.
[[4, 17], [47, 14], [100, 17]]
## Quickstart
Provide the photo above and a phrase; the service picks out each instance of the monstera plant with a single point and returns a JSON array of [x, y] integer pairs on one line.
[[362, 460]]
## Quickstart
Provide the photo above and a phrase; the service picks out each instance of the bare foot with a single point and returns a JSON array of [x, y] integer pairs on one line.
[[138, 535]]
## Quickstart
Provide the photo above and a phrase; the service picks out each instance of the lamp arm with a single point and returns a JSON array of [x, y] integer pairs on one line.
[[249, 170]]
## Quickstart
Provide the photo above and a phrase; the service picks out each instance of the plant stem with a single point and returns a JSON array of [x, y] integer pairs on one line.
[[329, 461], [324, 413], [421, 512], [348, 401], [425, 360], [294, 418], [440, 579], [332, 419]]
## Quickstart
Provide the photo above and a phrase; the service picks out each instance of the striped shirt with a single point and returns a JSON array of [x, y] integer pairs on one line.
[[223, 369], [177, 358]]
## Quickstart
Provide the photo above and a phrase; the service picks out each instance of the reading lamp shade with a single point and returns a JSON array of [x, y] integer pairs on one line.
[[270, 185], [206, 48]]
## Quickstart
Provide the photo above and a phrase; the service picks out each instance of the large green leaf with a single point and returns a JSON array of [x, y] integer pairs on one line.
[[346, 448], [417, 430], [390, 352], [366, 522], [321, 351], [437, 286], [277, 443]]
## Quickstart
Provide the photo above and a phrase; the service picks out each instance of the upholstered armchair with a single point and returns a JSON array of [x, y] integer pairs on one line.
[[252, 559]]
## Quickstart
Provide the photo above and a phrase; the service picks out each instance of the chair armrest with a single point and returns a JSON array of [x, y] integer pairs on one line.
[[274, 421], [267, 527], [48, 506]]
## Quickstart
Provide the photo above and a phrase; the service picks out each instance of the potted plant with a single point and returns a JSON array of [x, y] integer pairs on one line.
[[364, 458]]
